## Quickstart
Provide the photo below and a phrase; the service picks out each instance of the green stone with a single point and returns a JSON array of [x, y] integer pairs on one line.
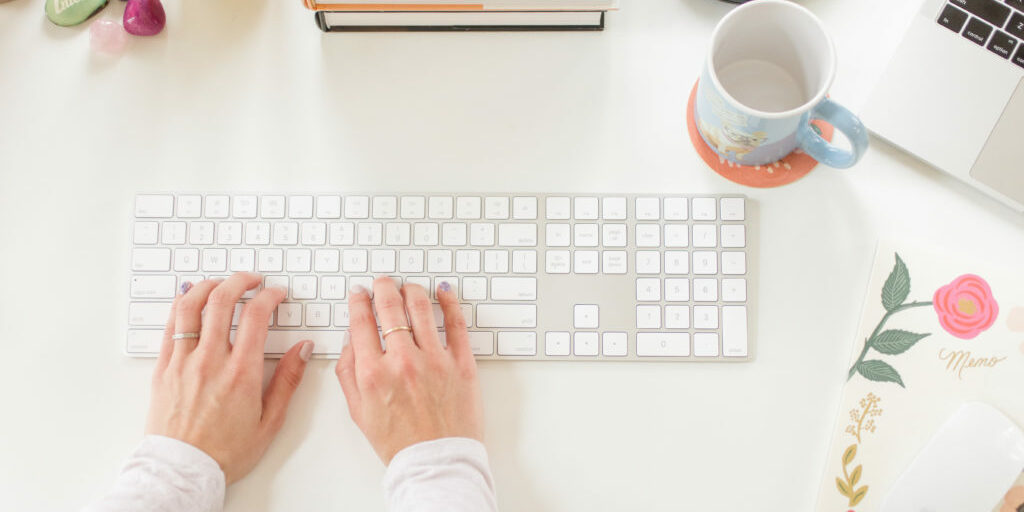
[[72, 12]]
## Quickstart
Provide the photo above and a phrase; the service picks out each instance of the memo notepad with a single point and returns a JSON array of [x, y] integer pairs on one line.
[[935, 332]]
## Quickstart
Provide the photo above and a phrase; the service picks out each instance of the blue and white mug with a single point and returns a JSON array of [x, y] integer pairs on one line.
[[766, 78]]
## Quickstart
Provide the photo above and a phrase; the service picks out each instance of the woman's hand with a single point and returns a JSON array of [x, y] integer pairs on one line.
[[418, 390], [209, 393]]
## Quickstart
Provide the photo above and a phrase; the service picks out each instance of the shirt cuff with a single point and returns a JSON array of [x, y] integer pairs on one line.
[[450, 474]]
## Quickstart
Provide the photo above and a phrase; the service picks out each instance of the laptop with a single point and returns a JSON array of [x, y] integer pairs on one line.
[[953, 94]]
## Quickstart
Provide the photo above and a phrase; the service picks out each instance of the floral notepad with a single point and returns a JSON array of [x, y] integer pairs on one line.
[[935, 332]]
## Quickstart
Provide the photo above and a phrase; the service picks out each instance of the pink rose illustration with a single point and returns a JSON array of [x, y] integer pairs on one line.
[[966, 306]]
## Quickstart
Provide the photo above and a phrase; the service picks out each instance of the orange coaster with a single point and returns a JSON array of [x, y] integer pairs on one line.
[[791, 168]]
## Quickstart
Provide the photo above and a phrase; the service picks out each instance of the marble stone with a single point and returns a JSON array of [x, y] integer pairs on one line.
[[144, 17], [107, 37], [72, 12]]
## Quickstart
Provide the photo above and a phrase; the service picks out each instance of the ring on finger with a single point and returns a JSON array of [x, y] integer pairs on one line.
[[394, 329], [185, 336]]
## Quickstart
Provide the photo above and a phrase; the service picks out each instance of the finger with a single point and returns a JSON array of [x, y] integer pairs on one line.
[[391, 310], [220, 308], [346, 372], [286, 379], [363, 335], [421, 314], [454, 323], [251, 338], [188, 318], [167, 345]]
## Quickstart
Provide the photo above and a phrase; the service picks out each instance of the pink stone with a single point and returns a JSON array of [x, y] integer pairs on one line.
[[144, 17], [107, 37]]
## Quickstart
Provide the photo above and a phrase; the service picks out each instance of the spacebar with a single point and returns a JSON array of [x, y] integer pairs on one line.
[[327, 343]]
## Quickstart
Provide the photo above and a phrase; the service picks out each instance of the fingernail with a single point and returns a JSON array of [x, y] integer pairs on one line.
[[185, 287], [356, 289], [444, 286], [306, 351]]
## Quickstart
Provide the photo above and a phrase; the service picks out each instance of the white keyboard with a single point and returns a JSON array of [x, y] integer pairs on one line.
[[542, 277]]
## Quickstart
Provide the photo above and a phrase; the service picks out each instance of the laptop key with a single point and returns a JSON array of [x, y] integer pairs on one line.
[[1002, 44], [1016, 25], [952, 18], [977, 31], [1018, 58], [1016, 4], [988, 10]]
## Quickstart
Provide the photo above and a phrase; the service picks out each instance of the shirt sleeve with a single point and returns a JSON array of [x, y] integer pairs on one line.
[[165, 475], [449, 475]]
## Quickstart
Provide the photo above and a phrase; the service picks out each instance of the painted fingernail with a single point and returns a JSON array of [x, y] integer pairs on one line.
[[444, 286], [306, 351], [356, 289], [185, 287]]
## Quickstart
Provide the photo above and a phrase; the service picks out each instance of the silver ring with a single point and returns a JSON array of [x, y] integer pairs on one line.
[[185, 336]]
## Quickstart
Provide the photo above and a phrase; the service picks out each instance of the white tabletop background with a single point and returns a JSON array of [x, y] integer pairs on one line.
[[249, 96]]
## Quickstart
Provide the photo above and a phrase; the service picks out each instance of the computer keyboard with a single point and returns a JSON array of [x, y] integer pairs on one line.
[[996, 25], [541, 277]]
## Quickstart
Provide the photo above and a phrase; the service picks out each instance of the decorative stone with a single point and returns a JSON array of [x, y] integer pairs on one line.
[[144, 17], [72, 12], [107, 37]]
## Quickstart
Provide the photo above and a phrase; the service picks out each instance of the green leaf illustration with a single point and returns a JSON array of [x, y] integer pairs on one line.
[[879, 371], [895, 341], [858, 495], [849, 454], [897, 286], [855, 475]]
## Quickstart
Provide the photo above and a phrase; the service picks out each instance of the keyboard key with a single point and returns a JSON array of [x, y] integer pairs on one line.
[[467, 262], [648, 262], [734, 235], [506, 315], [517, 235], [647, 208], [585, 316], [513, 288], [214, 260], [734, 263], [289, 314], [285, 233], [1002, 44], [397, 233], [705, 317], [145, 233], [585, 208], [354, 260], [149, 313], [734, 331], [190, 207], [144, 341], [988, 10], [341, 318], [475, 288], [382, 261], [585, 344], [1016, 4], [496, 261], [296, 260], [614, 344], [369, 233], [342, 233], [332, 287], [154, 206], [426, 233], [313, 233], [648, 317], [677, 317], [1018, 56], [977, 31], [496, 208], [558, 235], [677, 262], [675, 208], [410, 261], [186, 260], [325, 343], [705, 344], [385, 207], [200, 233], [414, 207], [172, 233], [705, 290], [481, 343], [439, 261], [677, 290], [441, 207], [229, 233], [1015, 27], [153, 287], [705, 262], [613, 208], [481, 234], [558, 208], [648, 235], [733, 208], [614, 262], [585, 235], [300, 207], [328, 207], [304, 287], [734, 290], [705, 235], [614, 235], [318, 315], [648, 289], [953, 18], [585, 262], [468, 208], [272, 207], [704, 208], [556, 343], [151, 260], [524, 208], [663, 344], [517, 343], [676, 235]]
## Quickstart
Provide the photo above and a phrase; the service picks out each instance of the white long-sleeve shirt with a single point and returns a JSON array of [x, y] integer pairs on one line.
[[167, 475]]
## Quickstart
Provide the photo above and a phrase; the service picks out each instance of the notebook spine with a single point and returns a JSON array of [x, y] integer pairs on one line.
[[321, 23]]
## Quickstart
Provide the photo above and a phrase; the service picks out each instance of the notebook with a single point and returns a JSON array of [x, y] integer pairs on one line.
[[935, 332]]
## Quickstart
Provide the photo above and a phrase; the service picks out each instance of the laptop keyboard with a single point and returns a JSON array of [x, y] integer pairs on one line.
[[997, 26]]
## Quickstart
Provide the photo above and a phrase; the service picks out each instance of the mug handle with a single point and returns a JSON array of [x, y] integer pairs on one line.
[[843, 120]]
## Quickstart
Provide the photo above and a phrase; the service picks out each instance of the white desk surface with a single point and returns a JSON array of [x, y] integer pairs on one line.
[[249, 95]]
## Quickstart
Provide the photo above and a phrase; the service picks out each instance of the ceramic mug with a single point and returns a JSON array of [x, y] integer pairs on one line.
[[766, 78]]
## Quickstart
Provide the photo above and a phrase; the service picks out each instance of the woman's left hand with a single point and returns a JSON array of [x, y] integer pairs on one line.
[[209, 393]]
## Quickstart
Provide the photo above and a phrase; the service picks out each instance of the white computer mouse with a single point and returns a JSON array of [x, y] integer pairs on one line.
[[968, 466]]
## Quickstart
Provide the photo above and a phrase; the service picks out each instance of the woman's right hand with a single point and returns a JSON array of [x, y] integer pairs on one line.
[[418, 390]]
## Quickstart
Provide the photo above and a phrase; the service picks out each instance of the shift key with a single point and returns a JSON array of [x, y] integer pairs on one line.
[[506, 315]]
